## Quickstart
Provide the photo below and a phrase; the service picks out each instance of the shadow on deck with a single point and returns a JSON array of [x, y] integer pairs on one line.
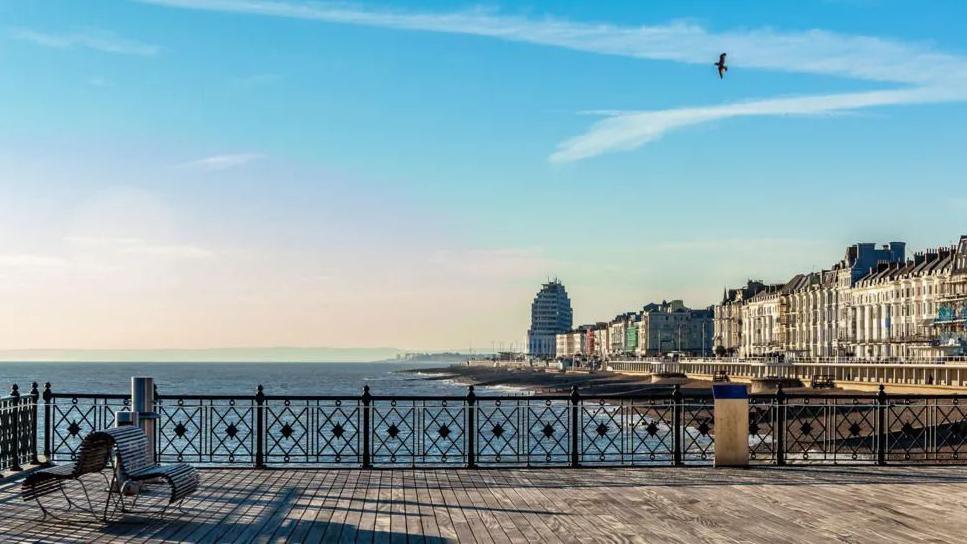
[[512, 505]]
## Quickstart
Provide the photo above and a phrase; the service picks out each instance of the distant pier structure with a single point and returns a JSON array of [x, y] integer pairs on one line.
[[550, 315]]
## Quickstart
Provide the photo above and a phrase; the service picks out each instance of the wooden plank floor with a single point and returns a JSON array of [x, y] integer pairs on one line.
[[794, 504]]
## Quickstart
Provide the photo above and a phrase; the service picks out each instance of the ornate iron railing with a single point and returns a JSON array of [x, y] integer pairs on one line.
[[667, 427], [18, 429]]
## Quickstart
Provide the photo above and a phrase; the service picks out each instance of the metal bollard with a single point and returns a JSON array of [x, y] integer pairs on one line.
[[142, 403]]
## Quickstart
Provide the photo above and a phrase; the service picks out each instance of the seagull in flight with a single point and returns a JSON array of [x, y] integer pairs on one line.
[[721, 66]]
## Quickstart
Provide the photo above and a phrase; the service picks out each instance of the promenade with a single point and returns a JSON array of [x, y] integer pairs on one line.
[[681, 505]]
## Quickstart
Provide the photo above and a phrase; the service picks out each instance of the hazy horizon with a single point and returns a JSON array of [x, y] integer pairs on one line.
[[280, 354], [407, 174]]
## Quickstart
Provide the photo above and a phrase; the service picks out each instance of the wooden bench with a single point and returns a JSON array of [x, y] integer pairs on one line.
[[93, 456], [133, 465]]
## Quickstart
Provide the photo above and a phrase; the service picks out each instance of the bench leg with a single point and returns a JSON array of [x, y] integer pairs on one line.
[[45, 511], [110, 495], [90, 503]]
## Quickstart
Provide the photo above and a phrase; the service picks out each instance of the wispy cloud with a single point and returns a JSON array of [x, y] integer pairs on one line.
[[221, 162], [629, 130], [925, 75], [98, 40]]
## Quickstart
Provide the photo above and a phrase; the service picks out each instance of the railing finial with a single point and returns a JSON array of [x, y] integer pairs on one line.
[[14, 390], [48, 394]]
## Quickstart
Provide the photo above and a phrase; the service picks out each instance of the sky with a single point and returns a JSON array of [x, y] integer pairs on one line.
[[253, 173]]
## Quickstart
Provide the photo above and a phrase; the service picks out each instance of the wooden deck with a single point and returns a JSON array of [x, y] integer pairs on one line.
[[815, 504]]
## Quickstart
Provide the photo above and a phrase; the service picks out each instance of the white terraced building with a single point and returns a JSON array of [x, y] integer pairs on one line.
[[874, 304]]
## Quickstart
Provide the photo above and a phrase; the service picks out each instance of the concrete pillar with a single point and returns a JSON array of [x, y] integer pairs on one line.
[[731, 425]]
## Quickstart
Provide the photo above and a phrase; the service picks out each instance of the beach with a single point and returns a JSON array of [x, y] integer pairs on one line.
[[550, 381]]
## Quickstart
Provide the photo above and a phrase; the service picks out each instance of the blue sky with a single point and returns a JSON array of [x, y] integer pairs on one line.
[[258, 173]]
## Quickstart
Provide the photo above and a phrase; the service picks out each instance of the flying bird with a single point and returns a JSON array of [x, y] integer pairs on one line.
[[721, 66]]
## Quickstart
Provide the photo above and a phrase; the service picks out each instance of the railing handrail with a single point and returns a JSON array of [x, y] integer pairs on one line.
[[260, 422], [591, 395]]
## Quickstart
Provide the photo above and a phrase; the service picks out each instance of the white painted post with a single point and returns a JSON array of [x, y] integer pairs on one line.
[[731, 425]]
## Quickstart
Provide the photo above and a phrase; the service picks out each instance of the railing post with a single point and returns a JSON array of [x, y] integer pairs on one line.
[[259, 428], [15, 428], [881, 408], [677, 425], [575, 426], [780, 430], [471, 428], [34, 397], [48, 430], [367, 401]]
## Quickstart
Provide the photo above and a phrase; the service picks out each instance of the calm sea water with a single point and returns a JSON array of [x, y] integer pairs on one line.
[[383, 378]]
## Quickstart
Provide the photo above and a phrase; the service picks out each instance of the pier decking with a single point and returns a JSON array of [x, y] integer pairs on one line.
[[792, 504]]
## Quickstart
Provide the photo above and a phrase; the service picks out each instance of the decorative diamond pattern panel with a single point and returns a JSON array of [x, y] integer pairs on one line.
[[532, 431], [180, 430], [698, 442], [762, 439], [394, 435], [806, 438], [498, 437], [287, 433], [215, 431], [337, 436], [652, 432], [443, 439], [831, 430], [951, 429], [604, 436], [854, 421], [72, 418], [548, 432]]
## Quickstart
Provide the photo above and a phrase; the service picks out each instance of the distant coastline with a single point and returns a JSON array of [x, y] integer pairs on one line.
[[209, 355]]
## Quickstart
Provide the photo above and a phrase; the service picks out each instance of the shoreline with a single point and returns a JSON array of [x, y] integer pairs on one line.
[[536, 380], [553, 382]]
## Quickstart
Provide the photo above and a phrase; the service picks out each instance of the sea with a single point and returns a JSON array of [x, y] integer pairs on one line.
[[383, 378]]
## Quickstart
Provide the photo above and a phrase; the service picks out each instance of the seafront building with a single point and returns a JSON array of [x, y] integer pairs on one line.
[[670, 326], [873, 304], [551, 314], [656, 329]]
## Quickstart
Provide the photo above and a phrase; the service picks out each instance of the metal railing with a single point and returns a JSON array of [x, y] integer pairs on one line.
[[368, 430], [664, 427], [18, 429]]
